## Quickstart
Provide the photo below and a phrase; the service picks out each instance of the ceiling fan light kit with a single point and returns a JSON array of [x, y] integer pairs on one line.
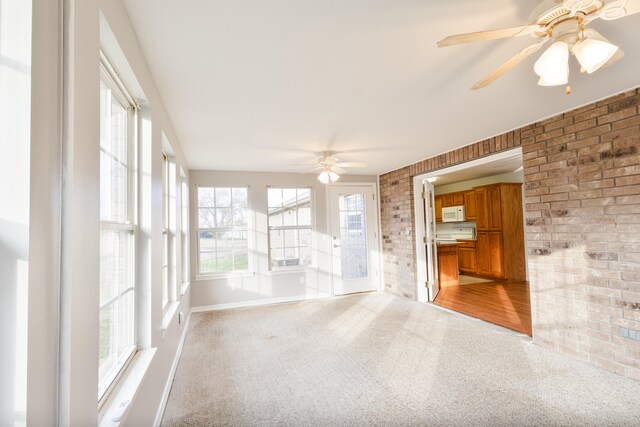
[[562, 22], [328, 176], [332, 167]]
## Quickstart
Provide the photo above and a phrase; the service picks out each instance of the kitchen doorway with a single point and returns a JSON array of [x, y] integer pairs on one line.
[[477, 251]]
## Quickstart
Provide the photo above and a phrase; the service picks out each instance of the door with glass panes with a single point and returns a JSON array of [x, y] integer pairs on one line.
[[353, 239]]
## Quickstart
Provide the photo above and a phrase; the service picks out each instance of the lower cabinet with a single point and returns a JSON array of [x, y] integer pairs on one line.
[[489, 254], [467, 256]]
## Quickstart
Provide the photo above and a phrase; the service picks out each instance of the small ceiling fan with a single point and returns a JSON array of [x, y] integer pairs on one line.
[[331, 167], [563, 22]]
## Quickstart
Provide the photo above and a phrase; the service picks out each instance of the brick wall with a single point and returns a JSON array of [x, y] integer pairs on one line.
[[582, 228]]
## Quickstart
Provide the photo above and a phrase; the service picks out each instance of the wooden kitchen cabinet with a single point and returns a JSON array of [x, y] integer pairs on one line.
[[483, 254], [500, 231], [438, 208], [482, 220], [494, 208], [458, 199], [496, 254], [448, 265], [447, 200], [469, 198], [467, 256]]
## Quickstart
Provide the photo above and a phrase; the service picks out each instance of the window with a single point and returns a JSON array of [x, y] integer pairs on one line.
[[117, 334], [165, 230], [222, 230], [289, 227], [184, 227]]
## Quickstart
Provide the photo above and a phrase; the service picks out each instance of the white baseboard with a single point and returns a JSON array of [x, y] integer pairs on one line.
[[174, 366], [254, 303]]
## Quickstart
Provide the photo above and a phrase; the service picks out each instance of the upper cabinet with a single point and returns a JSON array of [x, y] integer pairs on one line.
[[438, 208], [469, 201]]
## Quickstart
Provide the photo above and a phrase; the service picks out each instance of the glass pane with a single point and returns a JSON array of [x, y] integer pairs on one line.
[[113, 189], [291, 257], [275, 219], [224, 261], [274, 198], [224, 240], [223, 217], [125, 322], [239, 217], [207, 262], [289, 216], [305, 256], [305, 237], [277, 258], [304, 216], [206, 197], [290, 238], [289, 197], [207, 241], [206, 218], [304, 196], [239, 197], [276, 239], [223, 197], [106, 344], [114, 264], [241, 260], [353, 253]]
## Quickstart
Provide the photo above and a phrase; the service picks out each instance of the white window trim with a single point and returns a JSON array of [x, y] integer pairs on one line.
[[111, 79], [312, 227], [231, 273]]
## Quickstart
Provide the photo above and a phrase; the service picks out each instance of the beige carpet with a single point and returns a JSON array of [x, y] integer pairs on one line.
[[376, 359]]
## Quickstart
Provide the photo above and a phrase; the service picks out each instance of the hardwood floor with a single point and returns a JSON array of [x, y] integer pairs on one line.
[[503, 303]]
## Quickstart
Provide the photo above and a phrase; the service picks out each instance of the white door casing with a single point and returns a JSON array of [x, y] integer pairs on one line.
[[353, 238]]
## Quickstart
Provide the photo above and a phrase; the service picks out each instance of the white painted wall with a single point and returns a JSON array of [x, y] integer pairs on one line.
[[263, 285], [15, 110]]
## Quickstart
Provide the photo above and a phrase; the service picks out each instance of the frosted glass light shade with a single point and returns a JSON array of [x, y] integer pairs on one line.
[[593, 54], [323, 177], [554, 80], [553, 62], [553, 65], [327, 177]]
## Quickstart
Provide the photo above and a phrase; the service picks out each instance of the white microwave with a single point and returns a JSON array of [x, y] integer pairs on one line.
[[453, 214]]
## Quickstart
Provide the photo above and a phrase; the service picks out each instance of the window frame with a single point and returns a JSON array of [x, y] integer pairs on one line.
[[311, 227], [185, 271], [226, 273], [128, 227]]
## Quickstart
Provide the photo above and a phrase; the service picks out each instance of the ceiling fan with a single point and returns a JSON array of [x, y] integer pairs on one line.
[[564, 23], [331, 167]]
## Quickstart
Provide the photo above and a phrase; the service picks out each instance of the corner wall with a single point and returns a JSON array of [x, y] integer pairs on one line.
[[582, 230]]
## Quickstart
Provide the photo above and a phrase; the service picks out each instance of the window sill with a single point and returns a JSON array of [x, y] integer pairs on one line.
[[184, 288], [292, 270], [112, 412], [215, 276], [168, 315]]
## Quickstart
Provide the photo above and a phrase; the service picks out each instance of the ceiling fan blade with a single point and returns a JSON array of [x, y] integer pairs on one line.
[[632, 7], [508, 65], [312, 170], [352, 164], [490, 35], [338, 170]]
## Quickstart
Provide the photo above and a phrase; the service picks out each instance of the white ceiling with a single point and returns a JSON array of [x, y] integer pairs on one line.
[[256, 85]]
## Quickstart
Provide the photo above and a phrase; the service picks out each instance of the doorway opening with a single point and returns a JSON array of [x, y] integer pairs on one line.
[[470, 246]]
